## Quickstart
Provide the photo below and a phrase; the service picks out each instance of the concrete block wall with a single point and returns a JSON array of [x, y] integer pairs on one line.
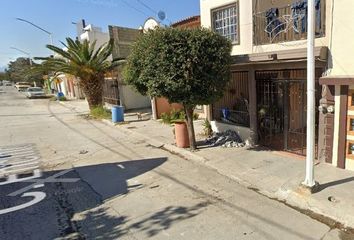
[[123, 39]]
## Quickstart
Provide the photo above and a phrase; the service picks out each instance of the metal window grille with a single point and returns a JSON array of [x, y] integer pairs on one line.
[[225, 22]]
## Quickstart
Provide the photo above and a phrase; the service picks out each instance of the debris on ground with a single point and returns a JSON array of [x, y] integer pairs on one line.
[[227, 139], [332, 199], [83, 151]]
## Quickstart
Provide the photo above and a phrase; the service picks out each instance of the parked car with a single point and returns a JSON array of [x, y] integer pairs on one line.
[[22, 86], [35, 92]]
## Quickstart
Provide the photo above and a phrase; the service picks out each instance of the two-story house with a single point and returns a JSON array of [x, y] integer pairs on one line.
[[266, 97]]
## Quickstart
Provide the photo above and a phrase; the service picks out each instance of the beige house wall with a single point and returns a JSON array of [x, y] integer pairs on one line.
[[246, 10], [341, 59]]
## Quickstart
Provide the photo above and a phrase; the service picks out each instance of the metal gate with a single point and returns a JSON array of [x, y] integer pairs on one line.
[[235, 99], [281, 108], [111, 91]]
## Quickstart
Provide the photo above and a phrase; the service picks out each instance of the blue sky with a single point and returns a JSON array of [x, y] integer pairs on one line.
[[57, 16]]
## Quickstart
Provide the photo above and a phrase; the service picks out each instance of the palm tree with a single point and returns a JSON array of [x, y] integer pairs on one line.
[[81, 60]]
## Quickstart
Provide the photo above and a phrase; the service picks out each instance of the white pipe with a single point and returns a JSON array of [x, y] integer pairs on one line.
[[311, 105]]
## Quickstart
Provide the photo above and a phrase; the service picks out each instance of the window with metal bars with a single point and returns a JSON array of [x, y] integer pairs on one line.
[[225, 22]]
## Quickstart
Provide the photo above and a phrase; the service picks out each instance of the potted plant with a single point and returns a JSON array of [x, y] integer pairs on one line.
[[181, 133], [207, 128]]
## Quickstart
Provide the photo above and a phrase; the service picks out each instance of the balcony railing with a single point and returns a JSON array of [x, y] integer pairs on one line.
[[286, 24]]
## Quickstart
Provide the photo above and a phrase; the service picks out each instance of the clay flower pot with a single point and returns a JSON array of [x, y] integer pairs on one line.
[[181, 133]]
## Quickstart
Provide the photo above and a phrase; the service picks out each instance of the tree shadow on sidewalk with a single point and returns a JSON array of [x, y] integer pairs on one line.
[[99, 224], [163, 219]]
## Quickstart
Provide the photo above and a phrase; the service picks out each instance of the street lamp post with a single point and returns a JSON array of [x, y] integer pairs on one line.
[[27, 53], [38, 27], [43, 30], [29, 57]]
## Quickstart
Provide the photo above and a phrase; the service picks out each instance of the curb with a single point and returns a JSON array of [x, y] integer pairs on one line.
[[286, 196]]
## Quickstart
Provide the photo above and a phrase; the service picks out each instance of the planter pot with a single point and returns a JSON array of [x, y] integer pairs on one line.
[[181, 132]]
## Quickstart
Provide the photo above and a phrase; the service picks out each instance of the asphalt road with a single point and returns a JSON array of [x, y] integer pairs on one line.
[[99, 183]]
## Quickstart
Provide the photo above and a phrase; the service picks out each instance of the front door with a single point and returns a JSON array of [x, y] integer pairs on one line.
[[281, 108]]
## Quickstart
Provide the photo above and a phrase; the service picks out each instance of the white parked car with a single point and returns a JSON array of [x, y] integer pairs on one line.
[[35, 92], [22, 86]]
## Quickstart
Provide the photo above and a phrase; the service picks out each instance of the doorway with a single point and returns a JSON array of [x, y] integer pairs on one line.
[[281, 109]]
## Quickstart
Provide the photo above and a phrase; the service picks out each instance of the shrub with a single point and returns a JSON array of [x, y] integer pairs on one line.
[[99, 112], [165, 117], [207, 128], [62, 98], [176, 116]]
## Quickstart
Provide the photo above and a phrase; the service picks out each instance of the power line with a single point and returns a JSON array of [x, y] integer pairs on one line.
[[152, 10], [146, 6], [136, 9]]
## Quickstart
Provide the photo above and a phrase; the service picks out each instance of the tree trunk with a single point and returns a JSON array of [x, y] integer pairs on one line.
[[189, 114], [93, 89]]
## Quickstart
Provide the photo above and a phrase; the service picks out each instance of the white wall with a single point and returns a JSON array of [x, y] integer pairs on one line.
[[246, 26], [131, 99], [95, 34], [243, 132]]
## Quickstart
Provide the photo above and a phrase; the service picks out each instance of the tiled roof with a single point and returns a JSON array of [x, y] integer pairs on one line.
[[186, 20]]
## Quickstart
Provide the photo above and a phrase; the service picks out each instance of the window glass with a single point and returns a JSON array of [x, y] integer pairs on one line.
[[225, 22]]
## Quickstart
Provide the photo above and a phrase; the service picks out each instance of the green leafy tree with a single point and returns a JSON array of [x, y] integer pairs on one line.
[[187, 66], [4, 75], [84, 61], [19, 71]]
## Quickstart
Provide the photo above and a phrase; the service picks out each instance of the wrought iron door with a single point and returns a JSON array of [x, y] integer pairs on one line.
[[282, 110]]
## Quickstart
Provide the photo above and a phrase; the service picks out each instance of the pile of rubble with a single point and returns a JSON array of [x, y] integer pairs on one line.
[[228, 139]]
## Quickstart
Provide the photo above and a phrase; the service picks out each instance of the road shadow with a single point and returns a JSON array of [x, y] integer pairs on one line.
[[110, 179], [68, 193]]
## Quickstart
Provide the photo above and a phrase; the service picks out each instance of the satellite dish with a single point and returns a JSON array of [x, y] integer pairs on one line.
[[150, 24], [161, 15]]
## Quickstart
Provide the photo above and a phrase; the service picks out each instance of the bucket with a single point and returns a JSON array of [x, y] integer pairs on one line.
[[60, 94], [225, 113], [117, 114]]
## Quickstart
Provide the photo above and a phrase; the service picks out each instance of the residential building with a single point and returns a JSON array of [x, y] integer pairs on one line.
[[123, 38], [266, 98]]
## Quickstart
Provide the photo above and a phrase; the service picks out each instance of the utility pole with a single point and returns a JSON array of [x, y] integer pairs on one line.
[[38, 27], [311, 105], [29, 58], [27, 53], [50, 40]]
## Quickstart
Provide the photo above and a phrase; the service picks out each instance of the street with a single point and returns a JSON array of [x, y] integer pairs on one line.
[[101, 183]]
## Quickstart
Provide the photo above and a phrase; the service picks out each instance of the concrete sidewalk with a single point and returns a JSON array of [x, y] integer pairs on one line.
[[273, 174]]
